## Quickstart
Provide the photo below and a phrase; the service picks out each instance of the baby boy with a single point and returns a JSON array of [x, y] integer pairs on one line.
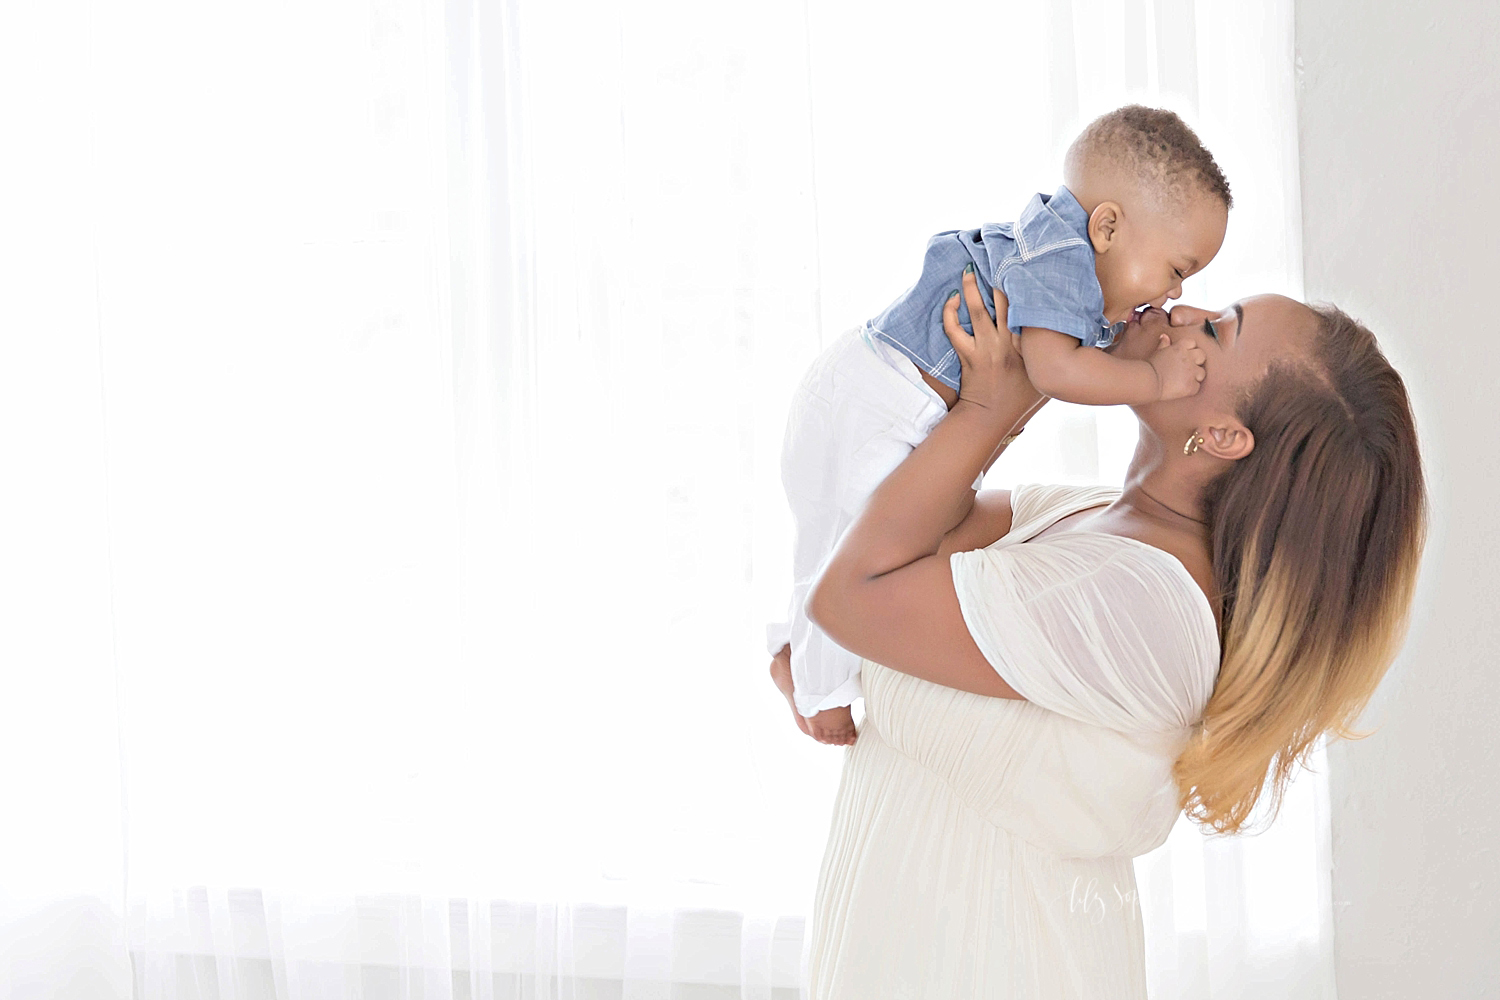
[[1143, 205]]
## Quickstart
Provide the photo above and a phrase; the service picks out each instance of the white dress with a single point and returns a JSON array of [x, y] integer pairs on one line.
[[981, 847]]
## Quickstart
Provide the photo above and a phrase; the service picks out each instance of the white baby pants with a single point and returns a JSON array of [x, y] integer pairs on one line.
[[857, 413]]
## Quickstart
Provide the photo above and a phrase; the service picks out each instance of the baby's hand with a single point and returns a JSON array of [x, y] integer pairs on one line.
[[1179, 367], [833, 725]]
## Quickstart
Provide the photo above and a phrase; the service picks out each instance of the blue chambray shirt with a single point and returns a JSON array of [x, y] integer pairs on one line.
[[1043, 262]]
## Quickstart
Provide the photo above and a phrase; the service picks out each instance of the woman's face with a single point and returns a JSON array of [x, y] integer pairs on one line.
[[1239, 342]]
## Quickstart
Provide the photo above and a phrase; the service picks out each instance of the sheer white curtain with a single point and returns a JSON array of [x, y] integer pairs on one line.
[[395, 390]]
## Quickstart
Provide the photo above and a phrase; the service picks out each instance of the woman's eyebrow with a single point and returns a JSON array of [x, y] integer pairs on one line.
[[1239, 315]]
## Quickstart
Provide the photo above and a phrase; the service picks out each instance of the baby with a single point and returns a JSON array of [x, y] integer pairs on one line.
[[1143, 206]]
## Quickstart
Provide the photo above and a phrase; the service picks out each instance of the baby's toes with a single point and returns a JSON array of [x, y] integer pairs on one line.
[[836, 735]]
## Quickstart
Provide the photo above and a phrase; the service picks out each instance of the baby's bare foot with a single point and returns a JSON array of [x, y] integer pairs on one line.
[[834, 726], [781, 675]]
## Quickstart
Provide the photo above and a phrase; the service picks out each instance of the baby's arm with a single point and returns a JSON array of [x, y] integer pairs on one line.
[[1061, 367]]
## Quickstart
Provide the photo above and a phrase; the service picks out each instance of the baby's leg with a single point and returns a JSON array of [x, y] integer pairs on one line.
[[846, 435], [818, 669], [815, 674]]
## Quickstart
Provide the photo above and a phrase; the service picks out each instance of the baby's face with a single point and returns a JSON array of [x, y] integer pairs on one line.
[[1155, 251]]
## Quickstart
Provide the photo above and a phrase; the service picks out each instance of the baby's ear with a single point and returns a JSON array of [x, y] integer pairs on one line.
[[1104, 226]]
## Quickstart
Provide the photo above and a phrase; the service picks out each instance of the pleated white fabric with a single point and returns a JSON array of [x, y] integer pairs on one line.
[[981, 847]]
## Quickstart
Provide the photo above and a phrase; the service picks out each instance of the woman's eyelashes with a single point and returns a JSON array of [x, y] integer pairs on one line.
[[1208, 328]]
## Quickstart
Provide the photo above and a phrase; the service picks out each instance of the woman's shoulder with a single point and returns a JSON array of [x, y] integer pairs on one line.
[[1077, 599], [1036, 506], [1133, 565], [1150, 579]]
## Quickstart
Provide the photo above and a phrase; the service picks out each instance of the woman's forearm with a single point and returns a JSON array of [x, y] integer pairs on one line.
[[1020, 425]]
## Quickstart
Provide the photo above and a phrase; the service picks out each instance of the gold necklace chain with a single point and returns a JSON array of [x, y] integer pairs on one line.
[[1177, 512]]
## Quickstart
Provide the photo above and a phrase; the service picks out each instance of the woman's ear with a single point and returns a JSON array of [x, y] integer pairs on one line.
[[1230, 440], [1104, 225]]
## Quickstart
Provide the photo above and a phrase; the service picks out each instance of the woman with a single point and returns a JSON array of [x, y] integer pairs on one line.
[[1054, 674]]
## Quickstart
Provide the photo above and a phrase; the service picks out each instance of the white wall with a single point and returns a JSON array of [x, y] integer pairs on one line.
[[1400, 144]]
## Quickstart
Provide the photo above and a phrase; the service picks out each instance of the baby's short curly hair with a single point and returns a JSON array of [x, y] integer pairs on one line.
[[1156, 146]]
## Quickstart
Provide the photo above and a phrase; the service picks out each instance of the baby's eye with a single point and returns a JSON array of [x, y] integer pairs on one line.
[[1180, 275]]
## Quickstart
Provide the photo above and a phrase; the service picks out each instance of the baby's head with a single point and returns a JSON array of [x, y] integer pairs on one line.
[[1158, 204]]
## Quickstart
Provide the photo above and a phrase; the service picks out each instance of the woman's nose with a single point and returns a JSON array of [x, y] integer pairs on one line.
[[1186, 315]]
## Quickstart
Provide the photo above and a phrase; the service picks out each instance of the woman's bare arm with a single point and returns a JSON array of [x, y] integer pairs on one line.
[[887, 592], [987, 522]]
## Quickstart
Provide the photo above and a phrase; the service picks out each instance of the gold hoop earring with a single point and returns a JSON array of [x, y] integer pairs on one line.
[[1194, 440]]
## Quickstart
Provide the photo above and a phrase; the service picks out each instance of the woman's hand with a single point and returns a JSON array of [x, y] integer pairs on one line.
[[992, 373]]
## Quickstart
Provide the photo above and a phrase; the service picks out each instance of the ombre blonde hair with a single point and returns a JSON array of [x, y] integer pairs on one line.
[[1317, 534]]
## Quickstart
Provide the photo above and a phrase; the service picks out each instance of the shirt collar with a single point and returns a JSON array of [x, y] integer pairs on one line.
[[1050, 221], [1065, 207]]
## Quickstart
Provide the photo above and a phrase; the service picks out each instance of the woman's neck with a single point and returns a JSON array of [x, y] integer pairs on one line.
[[1162, 509], [1159, 504], [1155, 500], [1164, 486]]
